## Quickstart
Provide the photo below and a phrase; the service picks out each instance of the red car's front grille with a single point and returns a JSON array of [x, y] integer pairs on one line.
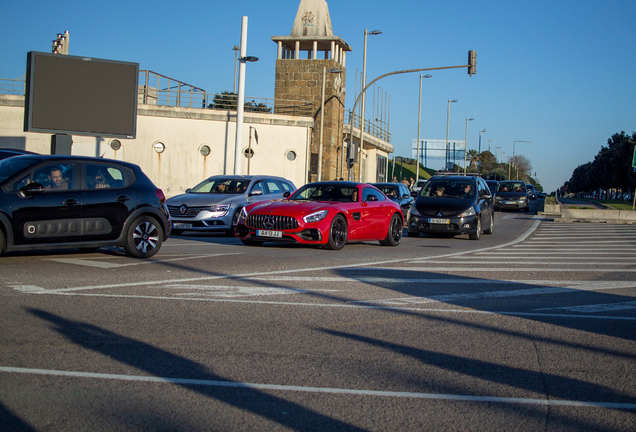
[[272, 222]]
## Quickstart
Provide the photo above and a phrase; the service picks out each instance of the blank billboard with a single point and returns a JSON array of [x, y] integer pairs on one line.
[[80, 96]]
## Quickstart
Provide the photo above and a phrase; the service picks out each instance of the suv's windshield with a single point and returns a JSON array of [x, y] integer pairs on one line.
[[12, 165], [511, 187], [444, 188], [325, 193], [221, 186]]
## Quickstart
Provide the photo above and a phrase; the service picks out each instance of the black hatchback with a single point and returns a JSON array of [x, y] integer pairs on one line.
[[49, 202], [452, 205]]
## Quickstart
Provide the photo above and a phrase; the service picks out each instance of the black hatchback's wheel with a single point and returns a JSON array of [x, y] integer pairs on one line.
[[477, 234], [337, 233], [144, 237], [394, 236], [491, 226]]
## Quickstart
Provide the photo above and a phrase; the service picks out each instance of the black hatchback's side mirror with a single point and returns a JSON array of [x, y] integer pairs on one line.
[[31, 189], [286, 194]]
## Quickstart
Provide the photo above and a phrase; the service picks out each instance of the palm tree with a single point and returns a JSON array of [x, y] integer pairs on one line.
[[473, 158]]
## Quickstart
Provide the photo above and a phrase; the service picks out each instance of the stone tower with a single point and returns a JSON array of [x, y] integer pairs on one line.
[[311, 52]]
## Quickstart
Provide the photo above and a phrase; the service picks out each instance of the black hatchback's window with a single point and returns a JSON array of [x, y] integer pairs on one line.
[[13, 165], [101, 176], [54, 177]]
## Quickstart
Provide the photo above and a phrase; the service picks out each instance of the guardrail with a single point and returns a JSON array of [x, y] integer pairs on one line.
[[12, 86], [369, 127]]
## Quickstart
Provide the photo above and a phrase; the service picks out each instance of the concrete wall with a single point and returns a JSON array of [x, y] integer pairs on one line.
[[183, 131]]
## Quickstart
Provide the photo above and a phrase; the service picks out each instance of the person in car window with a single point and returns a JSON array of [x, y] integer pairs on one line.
[[439, 191], [56, 181], [467, 191], [354, 195]]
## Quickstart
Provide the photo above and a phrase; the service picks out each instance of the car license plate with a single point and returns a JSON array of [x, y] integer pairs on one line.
[[511, 202], [267, 233], [439, 221], [177, 225]]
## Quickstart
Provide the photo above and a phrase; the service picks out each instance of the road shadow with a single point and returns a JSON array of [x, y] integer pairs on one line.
[[160, 363]]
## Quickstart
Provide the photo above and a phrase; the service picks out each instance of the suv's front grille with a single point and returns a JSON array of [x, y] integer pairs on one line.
[[190, 211], [272, 222]]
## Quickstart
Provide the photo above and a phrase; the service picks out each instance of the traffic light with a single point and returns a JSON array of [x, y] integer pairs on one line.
[[352, 155], [472, 62]]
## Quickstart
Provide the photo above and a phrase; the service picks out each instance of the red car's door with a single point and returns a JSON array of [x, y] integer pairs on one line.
[[374, 214]]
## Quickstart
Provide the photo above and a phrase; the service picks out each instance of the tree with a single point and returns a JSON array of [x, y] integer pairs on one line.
[[522, 165], [473, 158]]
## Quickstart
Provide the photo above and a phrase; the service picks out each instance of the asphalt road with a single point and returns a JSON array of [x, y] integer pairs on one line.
[[531, 328]]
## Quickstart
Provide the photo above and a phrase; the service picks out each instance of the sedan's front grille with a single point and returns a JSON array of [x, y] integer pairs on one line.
[[272, 222], [189, 211]]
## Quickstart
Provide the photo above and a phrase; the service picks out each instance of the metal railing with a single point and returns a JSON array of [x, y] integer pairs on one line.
[[370, 128], [160, 90], [12, 86]]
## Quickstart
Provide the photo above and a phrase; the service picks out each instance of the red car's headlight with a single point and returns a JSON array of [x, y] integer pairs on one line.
[[316, 217]]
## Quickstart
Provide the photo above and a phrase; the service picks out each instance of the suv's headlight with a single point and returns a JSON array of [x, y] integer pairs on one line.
[[315, 217], [243, 214], [219, 208], [468, 212], [413, 211]]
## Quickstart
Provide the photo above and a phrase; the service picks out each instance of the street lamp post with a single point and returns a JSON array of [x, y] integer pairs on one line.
[[322, 116], [419, 120], [240, 108], [489, 157], [362, 103], [513, 156], [447, 126], [466, 142]]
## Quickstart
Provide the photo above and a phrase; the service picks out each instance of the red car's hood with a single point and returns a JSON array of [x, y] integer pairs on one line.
[[290, 208]]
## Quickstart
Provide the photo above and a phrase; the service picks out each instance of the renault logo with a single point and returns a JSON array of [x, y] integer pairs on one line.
[[183, 209], [268, 222]]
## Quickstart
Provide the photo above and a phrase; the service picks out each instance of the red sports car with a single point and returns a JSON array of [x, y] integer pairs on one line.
[[324, 213]]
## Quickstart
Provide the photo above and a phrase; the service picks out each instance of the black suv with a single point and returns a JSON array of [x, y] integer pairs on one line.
[[51, 202], [453, 205]]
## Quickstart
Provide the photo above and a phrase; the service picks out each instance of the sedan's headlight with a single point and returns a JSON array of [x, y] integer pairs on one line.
[[316, 217], [498, 198], [468, 212], [221, 209], [413, 211]]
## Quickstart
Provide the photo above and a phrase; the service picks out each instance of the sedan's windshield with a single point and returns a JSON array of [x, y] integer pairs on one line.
[[12, 165], [511, 187], [448, 189], [325, 193], [221, 186]]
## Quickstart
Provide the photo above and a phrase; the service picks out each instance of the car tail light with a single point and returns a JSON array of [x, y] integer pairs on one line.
[[160, 195]]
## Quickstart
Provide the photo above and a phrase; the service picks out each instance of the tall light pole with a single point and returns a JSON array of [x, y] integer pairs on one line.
[[466, 142], [513, 156], [322, 116], [489, 157], [419, 121], [447, 126], [364, 80], [236, 51], [240, 102]]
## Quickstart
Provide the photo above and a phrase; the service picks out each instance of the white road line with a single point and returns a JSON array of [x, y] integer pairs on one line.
[[493, 269], [325, 390], [106, 265]]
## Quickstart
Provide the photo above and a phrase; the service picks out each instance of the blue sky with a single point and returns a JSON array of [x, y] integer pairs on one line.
[[559, 73]]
